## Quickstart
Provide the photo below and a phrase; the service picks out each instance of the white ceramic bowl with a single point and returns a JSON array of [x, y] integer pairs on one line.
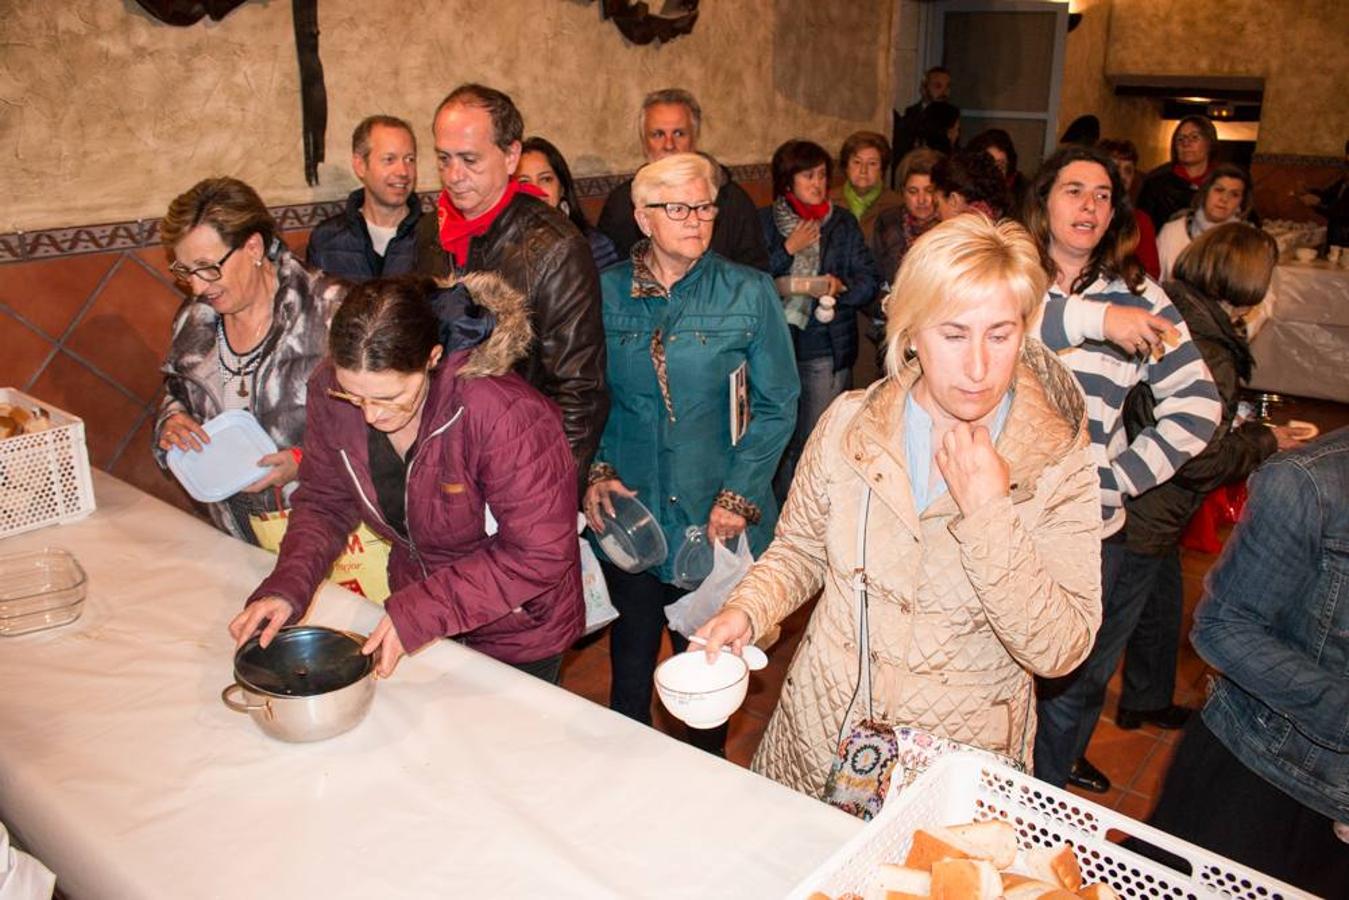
[[1305, 254], [699, 693]]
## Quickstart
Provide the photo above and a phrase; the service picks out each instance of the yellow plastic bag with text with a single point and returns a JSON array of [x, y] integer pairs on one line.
[[363, 566]]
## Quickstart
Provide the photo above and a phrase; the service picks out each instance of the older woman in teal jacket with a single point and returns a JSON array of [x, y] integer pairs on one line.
[[679, 323]]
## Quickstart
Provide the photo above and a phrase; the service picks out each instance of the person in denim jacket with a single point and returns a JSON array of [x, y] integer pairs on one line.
[[1263, 776]]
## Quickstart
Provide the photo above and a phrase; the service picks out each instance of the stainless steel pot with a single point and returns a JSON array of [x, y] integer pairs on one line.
[[308, 684]]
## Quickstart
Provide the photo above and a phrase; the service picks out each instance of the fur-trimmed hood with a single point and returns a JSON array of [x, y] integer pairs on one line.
[[500, 311]]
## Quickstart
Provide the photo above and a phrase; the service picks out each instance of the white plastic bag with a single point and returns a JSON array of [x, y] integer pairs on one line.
[[21, 876], [599, 610], [688, 613]]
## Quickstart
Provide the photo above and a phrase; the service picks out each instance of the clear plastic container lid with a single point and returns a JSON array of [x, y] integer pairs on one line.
[[226, 465]]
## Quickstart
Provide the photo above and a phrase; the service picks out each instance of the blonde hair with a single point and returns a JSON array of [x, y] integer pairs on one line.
[[953, 266], [675, 170]]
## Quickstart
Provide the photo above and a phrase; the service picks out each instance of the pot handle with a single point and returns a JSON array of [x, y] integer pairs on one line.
[[235, 704]]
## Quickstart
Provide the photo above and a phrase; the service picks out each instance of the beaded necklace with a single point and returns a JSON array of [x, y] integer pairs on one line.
[[244, 365]]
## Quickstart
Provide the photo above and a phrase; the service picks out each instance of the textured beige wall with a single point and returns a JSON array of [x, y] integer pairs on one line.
[[106, 114], [1300, 48], [1085, 89]]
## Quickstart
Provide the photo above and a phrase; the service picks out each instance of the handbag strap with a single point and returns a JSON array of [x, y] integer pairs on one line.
[[859, 588]]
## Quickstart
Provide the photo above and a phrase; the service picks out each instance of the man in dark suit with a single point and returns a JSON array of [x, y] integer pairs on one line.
[[936, 86]]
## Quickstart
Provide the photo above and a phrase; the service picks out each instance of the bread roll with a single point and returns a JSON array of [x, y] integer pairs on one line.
[[965, 879], [994, 841], [902, 883], [1098, 891], [933, 844], [1055, 865], [1037, 890]]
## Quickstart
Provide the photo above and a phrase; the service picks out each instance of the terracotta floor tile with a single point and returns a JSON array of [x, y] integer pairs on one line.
[[1153, 773], [25, 351], [1119, 754], [1136, 806], [108, 414], [1109, 799], [125, 333], [51, 292]]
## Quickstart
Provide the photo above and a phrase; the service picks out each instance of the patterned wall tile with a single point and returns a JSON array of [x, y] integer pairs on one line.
[[125, 332], [25, 352], [50, 293], [108, 413], [136, 465], [144, 233]]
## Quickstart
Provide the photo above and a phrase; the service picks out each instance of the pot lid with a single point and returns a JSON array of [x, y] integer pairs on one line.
[[302, 661]]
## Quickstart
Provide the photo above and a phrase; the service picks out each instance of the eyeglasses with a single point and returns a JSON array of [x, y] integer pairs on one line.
[[678, 212], [363, 402], [205, 273], [1189, 137]]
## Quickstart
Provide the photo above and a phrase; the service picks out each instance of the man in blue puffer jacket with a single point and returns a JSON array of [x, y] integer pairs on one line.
[[375, 235]]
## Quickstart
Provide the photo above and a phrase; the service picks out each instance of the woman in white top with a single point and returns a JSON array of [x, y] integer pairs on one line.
[[1225, 196]]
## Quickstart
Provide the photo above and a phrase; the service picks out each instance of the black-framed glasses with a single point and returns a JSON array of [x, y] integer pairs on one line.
[[678, 212], [210, 272]]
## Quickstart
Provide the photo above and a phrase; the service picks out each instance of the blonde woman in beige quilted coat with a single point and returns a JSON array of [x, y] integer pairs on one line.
[[996, 580]]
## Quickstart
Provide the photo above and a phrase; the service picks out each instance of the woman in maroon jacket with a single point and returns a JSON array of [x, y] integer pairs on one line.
[[430, 447]]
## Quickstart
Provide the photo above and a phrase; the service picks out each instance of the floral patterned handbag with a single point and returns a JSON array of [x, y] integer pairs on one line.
[[876, 758]]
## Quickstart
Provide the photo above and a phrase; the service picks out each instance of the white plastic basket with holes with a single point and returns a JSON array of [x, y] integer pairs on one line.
[[44, 476], [963, 788]]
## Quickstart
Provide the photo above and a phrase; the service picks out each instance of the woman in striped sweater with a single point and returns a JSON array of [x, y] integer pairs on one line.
[[1114, 328]]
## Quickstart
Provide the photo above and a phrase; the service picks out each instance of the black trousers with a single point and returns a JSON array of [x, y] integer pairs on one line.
[[1211, 799], [634, 647]]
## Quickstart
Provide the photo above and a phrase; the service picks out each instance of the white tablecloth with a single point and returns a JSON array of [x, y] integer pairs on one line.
[[1303, 347], [122, 771]]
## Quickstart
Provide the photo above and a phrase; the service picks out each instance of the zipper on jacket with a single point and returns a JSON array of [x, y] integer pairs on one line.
[[366, 500], [412, 545]]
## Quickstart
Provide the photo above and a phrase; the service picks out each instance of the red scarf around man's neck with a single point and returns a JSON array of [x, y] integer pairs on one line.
[[812, 211], [456, 231]]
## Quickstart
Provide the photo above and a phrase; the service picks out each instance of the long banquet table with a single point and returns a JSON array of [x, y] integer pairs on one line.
[[121, 769]]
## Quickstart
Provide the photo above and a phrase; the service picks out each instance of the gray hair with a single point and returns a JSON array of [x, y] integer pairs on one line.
[[672, 171], [671, 97]]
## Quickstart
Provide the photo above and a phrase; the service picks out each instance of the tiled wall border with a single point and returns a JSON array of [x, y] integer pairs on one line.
[[52, 243], [1293, 159]]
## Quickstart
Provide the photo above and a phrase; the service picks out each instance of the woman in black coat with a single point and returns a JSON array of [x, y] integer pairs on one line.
[[1223, 273]]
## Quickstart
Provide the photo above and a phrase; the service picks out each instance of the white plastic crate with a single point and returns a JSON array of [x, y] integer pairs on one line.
[[963, 788], [44, 477]]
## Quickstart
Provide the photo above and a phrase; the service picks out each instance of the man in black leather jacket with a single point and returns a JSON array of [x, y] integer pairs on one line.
[[374, 235], [669, 122], [487, 222]]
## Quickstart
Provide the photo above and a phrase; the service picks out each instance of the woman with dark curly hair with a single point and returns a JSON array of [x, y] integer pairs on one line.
[[1115, 329], [969, 182]]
